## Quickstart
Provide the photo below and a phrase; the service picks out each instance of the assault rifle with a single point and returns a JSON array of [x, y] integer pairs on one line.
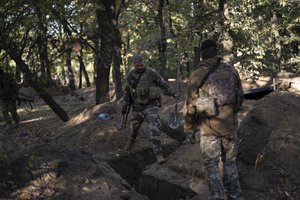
[[124, 117]]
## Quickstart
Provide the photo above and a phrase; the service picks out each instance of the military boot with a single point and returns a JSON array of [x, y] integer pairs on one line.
[[130, 144], [160, 159]]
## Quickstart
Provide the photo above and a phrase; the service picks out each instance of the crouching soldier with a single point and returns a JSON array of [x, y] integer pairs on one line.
[[142, 90]]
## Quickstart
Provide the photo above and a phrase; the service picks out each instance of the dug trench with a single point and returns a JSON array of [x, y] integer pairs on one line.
[[181, 177], [267, 159], [87, 160]]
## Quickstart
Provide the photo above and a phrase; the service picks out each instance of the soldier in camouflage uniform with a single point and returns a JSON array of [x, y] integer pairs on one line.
[[8, 94], [142, 90], [218, 133]]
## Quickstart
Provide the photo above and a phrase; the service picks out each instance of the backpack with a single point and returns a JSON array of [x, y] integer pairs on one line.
[[222, 88]]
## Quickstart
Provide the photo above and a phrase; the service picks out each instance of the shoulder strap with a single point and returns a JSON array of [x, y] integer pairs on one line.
[[134, 86], [210, 71]]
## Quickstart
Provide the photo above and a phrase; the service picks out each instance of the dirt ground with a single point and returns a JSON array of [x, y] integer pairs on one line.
[[269, 148], [269, 142]]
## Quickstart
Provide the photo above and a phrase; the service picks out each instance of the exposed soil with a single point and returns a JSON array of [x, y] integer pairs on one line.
[[269, 148], [268, 159]]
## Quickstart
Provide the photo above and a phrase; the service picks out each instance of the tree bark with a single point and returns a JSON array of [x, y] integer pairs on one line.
[[104, 15], [162, 47], [196, 57], [117, 64], [18, 74], [126, 50], [117, 40], [226, 39], [43, 49], [188, 66], [70, 70], [83, 72], [80, 75], [38, 86], [276, 42]]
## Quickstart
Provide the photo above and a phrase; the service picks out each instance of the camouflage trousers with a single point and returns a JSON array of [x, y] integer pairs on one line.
[[150, 115], [8, 108], [214, 149]]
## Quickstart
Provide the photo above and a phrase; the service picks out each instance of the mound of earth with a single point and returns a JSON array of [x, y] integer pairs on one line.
[[85, 132], [102, 139], [269, 148], [52, 172], [268, 159], [182, 174]]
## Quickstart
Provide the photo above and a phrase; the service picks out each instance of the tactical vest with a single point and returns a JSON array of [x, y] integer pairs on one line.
[[222, 85], [146, 89]]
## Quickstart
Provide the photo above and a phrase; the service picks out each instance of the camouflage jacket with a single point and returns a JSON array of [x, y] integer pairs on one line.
[[225, 122], [147, 90]]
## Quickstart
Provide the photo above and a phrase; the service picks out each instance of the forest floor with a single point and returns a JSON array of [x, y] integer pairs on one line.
[[269, 129]]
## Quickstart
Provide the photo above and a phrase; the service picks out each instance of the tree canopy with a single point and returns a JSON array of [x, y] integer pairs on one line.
[[61, 41]]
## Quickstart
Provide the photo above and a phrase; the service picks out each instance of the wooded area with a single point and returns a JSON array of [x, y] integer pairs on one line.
[[70, 59], [59, 42]]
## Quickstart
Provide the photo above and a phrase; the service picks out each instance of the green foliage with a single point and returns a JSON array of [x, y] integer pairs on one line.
[[261, 34], [263, 31]]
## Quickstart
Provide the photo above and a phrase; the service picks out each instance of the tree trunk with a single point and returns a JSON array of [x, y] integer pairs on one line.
[[42, 62], [80, 74], [105, 20], [43, 49], [126, 49], [276, 42], [188, 66], [226, 39], [38, 86], [70, 70], [117, 64], [162, 47], [18, 74], [63, 74], [102, 82], [117, 40], [83, 71], [196, 57]]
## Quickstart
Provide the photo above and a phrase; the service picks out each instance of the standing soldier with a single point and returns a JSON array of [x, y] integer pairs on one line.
[[141, 90], [8, 94], [214, 97]]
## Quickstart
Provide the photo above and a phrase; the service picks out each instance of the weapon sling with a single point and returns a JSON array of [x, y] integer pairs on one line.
[[210, 71], [125, 116], [204, 104]]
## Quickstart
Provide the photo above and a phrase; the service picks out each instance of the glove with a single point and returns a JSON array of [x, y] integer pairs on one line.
[[124, 109]]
